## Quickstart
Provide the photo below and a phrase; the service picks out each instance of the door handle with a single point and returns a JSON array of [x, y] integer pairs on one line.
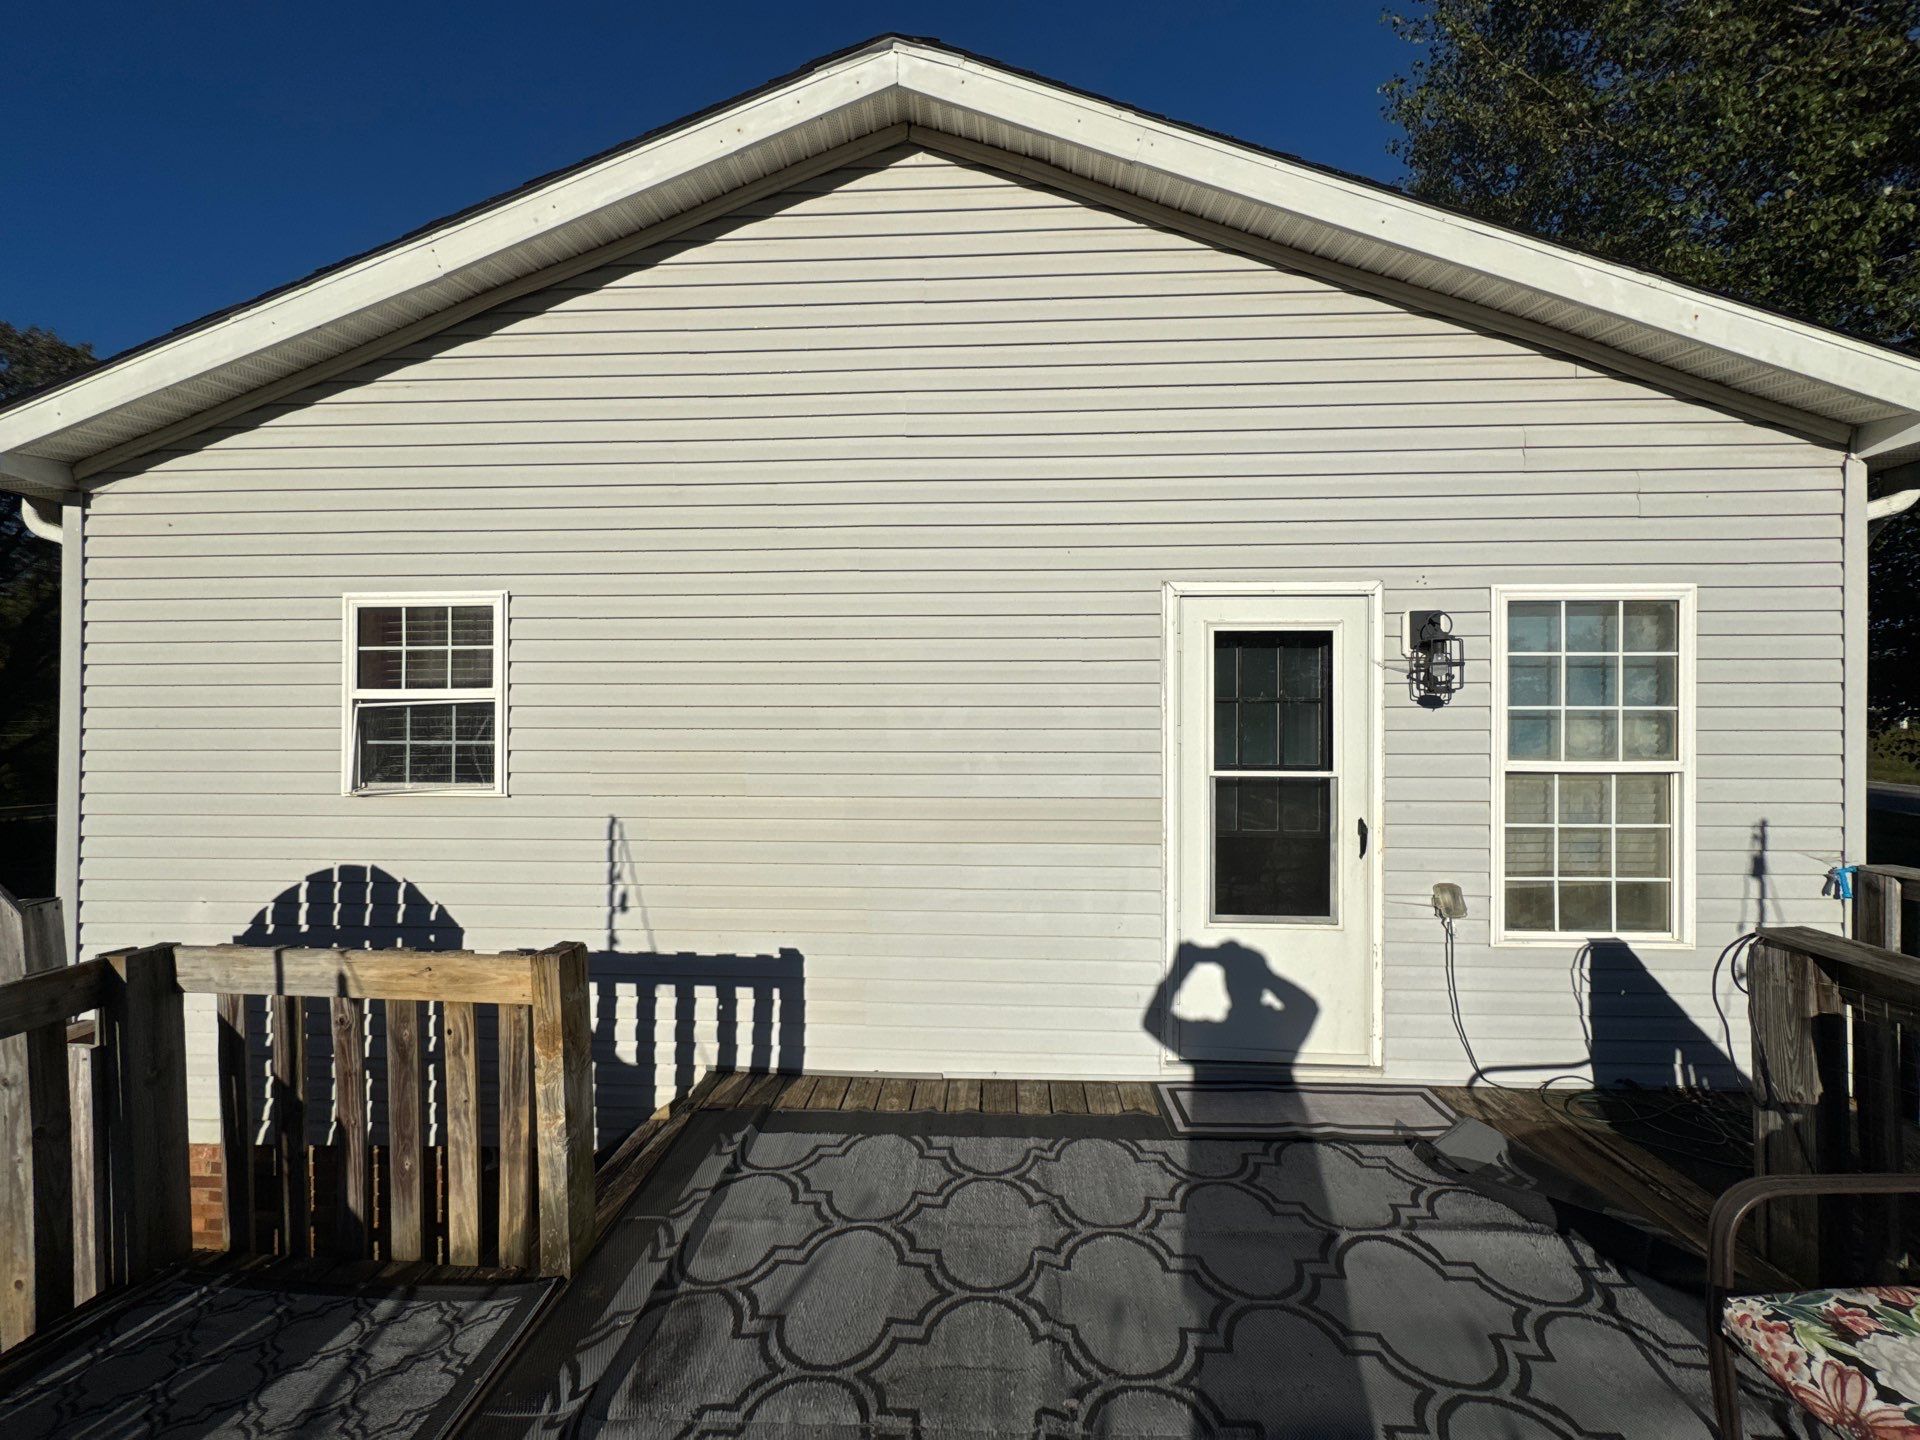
[[1363, 838]]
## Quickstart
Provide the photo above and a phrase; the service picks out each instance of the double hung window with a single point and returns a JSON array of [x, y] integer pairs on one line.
[[424, 693]]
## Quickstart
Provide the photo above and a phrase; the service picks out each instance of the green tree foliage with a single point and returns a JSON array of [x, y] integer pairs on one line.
[[29, 642], [1765, 149]]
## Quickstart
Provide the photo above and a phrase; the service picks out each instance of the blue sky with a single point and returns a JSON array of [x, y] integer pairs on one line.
[[163, 160]]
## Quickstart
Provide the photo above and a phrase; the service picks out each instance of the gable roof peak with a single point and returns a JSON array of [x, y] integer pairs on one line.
[[894, 87]]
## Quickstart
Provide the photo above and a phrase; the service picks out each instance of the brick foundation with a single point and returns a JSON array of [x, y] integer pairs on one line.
[[207, 1196]]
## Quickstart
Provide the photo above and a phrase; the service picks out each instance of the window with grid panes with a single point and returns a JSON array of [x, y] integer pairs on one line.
[[1594, 772], [424, 690]]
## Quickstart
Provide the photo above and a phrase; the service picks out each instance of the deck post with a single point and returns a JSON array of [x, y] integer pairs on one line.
[[1801, 1120], [563, 1101], [142, 1017]]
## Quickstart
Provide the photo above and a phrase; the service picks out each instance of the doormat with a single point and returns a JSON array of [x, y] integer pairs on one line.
[[1306, 1112]]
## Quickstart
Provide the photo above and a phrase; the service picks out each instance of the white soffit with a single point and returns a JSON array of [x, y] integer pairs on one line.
[[845, 99]]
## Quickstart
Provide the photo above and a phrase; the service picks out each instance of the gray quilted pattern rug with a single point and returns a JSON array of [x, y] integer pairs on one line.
[[192, 1356], [839, 1277]]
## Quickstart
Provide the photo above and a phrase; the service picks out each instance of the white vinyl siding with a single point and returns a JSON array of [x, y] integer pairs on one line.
[[836, 532]]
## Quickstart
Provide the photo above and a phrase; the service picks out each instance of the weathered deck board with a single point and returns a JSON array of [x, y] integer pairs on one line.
[[766, 1089], [406, 1133], [999, 1097], [796, 1093], [828, 1092], [963, 1097], [461, 1053], [863, 1093], [1629, 1175], [353, 1212]]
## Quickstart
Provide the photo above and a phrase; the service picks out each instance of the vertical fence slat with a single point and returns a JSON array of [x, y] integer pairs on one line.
[[89, 1086], [460, 1044], [51, 1106], [517, 1247], [236, 1120], [406, 1133], [36, 1176], [353, 1214], [142, 1018], [290, 1120], [563, 1089]]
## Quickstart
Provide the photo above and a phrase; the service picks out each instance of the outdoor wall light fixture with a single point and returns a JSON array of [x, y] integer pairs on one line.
[[1435, 663]]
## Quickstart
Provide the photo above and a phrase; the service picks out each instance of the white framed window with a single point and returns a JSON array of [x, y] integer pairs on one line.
[[424, 694], [1593, 763]]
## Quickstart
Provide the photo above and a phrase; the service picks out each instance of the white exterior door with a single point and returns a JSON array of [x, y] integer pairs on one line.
[[1272, 760]]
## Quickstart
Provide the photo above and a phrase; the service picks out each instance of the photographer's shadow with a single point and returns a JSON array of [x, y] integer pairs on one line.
[[1221, 1008]]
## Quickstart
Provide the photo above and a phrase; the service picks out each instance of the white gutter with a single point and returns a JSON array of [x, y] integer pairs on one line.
[[1887, 507], [42, 518]]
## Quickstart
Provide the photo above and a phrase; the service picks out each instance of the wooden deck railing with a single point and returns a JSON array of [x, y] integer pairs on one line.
[[544, 1110], [1836, 1037], [121, 1132]]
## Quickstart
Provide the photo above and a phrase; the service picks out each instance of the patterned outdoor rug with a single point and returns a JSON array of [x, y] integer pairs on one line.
[[1306, 1112], [194, 1355], [847, 1277]]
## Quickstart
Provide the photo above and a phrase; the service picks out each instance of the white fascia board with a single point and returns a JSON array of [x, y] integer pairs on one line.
[[394, 272], [30, 475], [1886, 442], [1409, 225]]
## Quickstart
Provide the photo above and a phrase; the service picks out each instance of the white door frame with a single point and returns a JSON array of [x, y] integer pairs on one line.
[[1172, 593]]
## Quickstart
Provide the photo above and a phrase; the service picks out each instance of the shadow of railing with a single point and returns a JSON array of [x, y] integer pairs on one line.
[[663, 1020]]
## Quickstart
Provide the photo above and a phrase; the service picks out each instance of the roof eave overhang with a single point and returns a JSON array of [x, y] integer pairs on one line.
[[1847, 390]]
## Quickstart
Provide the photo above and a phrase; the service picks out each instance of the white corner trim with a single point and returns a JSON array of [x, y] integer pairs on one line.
[[1854, 695]]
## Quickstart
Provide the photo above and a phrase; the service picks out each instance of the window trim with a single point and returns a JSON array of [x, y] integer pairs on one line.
[[350, 693], [1687, 766]]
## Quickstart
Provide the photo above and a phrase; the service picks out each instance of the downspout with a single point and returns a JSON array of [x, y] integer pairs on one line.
[[1887, 508], [42, 518]]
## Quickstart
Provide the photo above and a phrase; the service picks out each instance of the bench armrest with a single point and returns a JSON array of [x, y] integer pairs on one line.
[[1741, 1199]]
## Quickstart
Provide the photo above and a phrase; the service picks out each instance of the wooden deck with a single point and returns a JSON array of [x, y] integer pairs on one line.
[[1630, 1175], [898, 1094]]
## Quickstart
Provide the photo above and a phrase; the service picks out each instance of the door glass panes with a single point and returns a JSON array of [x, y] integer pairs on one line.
[[1272, 704], [1593, 680], [1273, 787], [1589, 854], [1271, 847]]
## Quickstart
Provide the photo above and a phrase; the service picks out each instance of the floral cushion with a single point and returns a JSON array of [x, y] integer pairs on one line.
[[1850, 1358]]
